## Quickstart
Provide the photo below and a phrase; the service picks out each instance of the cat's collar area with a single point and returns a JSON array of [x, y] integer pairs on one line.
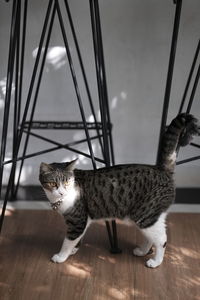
[[56, 204]]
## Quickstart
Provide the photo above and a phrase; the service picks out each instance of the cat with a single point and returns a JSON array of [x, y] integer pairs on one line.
[[141, 193]]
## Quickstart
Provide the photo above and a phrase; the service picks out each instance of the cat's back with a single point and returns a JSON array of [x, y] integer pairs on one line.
[[125, 174], [116, 191]]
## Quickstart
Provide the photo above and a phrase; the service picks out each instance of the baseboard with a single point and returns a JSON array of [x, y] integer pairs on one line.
[[28, 193], [44, 205], [188, 195], [35, 193]]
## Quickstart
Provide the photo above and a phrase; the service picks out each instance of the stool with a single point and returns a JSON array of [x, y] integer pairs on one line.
[[23, 126]]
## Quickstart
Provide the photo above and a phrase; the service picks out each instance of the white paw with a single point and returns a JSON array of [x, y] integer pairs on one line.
[[139, 252], [57, 258], [74, 251], [152, 263]]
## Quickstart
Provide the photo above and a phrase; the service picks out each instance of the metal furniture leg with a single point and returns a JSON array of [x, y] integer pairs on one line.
[[177, 17]]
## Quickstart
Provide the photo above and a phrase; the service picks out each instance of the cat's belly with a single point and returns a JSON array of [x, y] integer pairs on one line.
[[126, 221]]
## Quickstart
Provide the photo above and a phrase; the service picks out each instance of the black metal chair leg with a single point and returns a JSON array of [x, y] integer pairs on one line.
[[35, 97], [83, 70], [103, 77], [115, 249], [75, 82], [103, 101], [189, 77], [10, 72], [193, 90], [170, 74], [16, 96]]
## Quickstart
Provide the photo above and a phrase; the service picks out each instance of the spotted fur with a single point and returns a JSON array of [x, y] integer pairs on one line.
[[139, 193]]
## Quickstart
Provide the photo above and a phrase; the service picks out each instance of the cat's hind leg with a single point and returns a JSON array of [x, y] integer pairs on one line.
[[143, 249], [156, 234]]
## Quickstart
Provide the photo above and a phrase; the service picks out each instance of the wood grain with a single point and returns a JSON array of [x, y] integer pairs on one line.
[[30, 238]]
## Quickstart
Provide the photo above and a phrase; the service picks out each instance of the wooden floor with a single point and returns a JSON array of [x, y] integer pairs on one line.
[[30, 238]]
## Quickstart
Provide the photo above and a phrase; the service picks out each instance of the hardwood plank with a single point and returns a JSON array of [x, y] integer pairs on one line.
[[30, 238]]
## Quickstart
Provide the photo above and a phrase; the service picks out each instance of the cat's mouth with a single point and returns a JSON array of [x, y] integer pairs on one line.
[[53, 200], [56, 200]]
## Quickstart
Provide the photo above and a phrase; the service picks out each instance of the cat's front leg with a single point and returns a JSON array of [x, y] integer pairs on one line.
[[76, 248], [71, 242], [67, 249], [74, 251]]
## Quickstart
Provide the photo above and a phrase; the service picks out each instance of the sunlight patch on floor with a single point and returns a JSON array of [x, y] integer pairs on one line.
[[190, 253], [77, 270], [116, 294]]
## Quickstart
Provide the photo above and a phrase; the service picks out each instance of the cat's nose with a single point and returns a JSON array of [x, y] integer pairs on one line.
[[61, 194]]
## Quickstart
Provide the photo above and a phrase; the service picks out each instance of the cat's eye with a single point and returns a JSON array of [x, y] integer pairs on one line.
[[66, 183], [52, 184]]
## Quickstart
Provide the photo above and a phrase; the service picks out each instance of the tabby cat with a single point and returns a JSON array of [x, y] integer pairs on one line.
[[139, 193]]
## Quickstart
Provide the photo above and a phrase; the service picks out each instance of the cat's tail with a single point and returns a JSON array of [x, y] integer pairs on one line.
[[179, 133]]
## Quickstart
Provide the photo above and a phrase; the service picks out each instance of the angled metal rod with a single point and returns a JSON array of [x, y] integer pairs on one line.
[[16, 96], [189, 77], [68, 145], [60, 146], [195, 145], [104, 81], [10, 70], [169, 74], [193, 91], [9, 79], [33, 75], [22, 57], [36, 96], [14, 189], [25, 110], [99, 73], [75, 82], [187, 160], [55, 143], [82, 69], [191, 100]]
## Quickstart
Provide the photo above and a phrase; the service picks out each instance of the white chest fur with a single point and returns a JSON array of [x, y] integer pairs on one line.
[[66, 200]]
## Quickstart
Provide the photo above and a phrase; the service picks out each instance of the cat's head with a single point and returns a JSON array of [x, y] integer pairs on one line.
[[57, 179]]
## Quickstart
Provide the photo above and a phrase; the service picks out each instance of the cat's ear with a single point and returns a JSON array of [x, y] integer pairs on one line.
[[72, 164], [44, 168]]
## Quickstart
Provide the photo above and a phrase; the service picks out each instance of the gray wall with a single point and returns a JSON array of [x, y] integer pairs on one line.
[[137, 36]]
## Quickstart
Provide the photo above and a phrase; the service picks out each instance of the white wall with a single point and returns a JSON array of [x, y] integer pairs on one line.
[[137, 36]]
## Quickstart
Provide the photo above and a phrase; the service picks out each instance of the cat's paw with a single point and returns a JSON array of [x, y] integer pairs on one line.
[[152, 263], [57, 258], [139, 252], [74, 251]]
